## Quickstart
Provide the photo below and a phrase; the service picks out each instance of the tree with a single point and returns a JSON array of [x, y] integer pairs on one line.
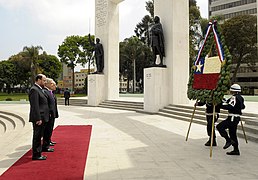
[[74, 50], [195, 30], [192, 3], [142, 28], [133, 53], [240, 34], [22, 69], [50, 65], [7, 75], [87, 50], [31, 54]]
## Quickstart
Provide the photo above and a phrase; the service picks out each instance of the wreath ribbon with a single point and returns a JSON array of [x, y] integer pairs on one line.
[[211, 27]]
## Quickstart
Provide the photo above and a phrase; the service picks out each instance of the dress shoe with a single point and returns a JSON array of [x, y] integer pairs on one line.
[[234, 152], [53, 142], [48, 150], [229, 143], [39, 158]]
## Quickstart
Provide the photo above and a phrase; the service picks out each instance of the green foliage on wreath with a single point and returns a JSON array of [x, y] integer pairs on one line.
[[212, 96]]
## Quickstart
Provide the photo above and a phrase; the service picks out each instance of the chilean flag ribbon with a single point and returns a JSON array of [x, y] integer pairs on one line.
[[217, 40], [207, 71]]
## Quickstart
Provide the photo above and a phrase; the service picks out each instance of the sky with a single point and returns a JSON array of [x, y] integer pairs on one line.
[[47, 23]]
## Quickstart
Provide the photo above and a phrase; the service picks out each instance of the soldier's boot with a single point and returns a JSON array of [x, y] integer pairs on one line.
[[234, 152], [228, 143], [208, 143]]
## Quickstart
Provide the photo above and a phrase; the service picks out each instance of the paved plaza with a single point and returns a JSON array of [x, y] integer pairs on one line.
[[126, 145]]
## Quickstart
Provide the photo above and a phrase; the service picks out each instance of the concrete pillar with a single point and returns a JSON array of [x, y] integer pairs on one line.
[[174, 16], [107, 29], [155, 89], [96, 88]]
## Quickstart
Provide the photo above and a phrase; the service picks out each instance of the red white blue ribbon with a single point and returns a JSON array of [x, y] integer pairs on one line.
[[219, 48]]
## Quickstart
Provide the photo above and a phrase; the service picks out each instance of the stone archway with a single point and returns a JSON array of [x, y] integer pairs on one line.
[[175, 20]]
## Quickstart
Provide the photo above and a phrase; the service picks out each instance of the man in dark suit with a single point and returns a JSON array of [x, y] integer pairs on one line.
[[39, 115], [53, 113], [67, 96]]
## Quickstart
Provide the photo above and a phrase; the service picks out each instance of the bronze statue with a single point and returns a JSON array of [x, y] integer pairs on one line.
[[99, 55], [157, 40]]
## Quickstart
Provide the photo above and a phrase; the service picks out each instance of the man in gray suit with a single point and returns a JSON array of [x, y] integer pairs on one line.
[[53, 113], [39, 115]]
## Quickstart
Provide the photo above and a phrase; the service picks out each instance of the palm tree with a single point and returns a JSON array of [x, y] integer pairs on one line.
[[32, 55], [132, 50]]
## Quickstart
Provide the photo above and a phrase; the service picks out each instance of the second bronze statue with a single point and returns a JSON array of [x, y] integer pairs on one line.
[[99, 54], [157, 41]]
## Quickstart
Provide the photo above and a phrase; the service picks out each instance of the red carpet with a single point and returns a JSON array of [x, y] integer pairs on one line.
[[67, 162]]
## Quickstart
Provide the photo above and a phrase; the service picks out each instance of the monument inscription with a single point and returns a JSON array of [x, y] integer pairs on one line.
[[101, 12]]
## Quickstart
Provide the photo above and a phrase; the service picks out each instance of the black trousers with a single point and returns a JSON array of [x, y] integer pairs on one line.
[[67, 101], [232, 128], [38, 132], [209, 124], [48, 132]]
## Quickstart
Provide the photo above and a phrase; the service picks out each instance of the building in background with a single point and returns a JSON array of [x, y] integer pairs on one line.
[[80, 79], [66, 79], [232, 8], [246, 77]]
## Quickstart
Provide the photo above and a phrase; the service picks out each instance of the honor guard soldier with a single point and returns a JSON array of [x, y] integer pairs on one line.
[[234, 105], [209, 117]]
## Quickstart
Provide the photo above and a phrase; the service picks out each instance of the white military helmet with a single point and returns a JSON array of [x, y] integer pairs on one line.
[[235, 88]]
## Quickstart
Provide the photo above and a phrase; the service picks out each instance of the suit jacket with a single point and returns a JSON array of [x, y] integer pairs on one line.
[[52, 104], [66, 94], [39, 109]]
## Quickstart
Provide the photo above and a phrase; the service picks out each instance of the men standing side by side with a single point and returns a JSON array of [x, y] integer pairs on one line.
[[53, 113], [67, 96], [39, 115], [234, 105]]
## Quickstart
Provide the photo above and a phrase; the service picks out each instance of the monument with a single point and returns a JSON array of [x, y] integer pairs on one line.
[[167, 85], [107, 29], [173, 80]]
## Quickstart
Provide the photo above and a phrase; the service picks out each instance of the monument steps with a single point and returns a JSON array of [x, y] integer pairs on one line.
[[125, 105], [248, 118], [184, 113], [72, 102], [10, 122], [3, 126]]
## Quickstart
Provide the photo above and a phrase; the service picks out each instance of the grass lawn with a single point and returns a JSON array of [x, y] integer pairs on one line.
[[13, 96], [19, 96]]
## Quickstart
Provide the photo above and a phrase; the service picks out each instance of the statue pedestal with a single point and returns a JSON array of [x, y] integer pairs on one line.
[[155, 89], [96, 89]]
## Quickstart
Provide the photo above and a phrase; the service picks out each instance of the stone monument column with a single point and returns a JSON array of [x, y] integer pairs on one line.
[[169, 86], [174, 16], [107, 30]]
